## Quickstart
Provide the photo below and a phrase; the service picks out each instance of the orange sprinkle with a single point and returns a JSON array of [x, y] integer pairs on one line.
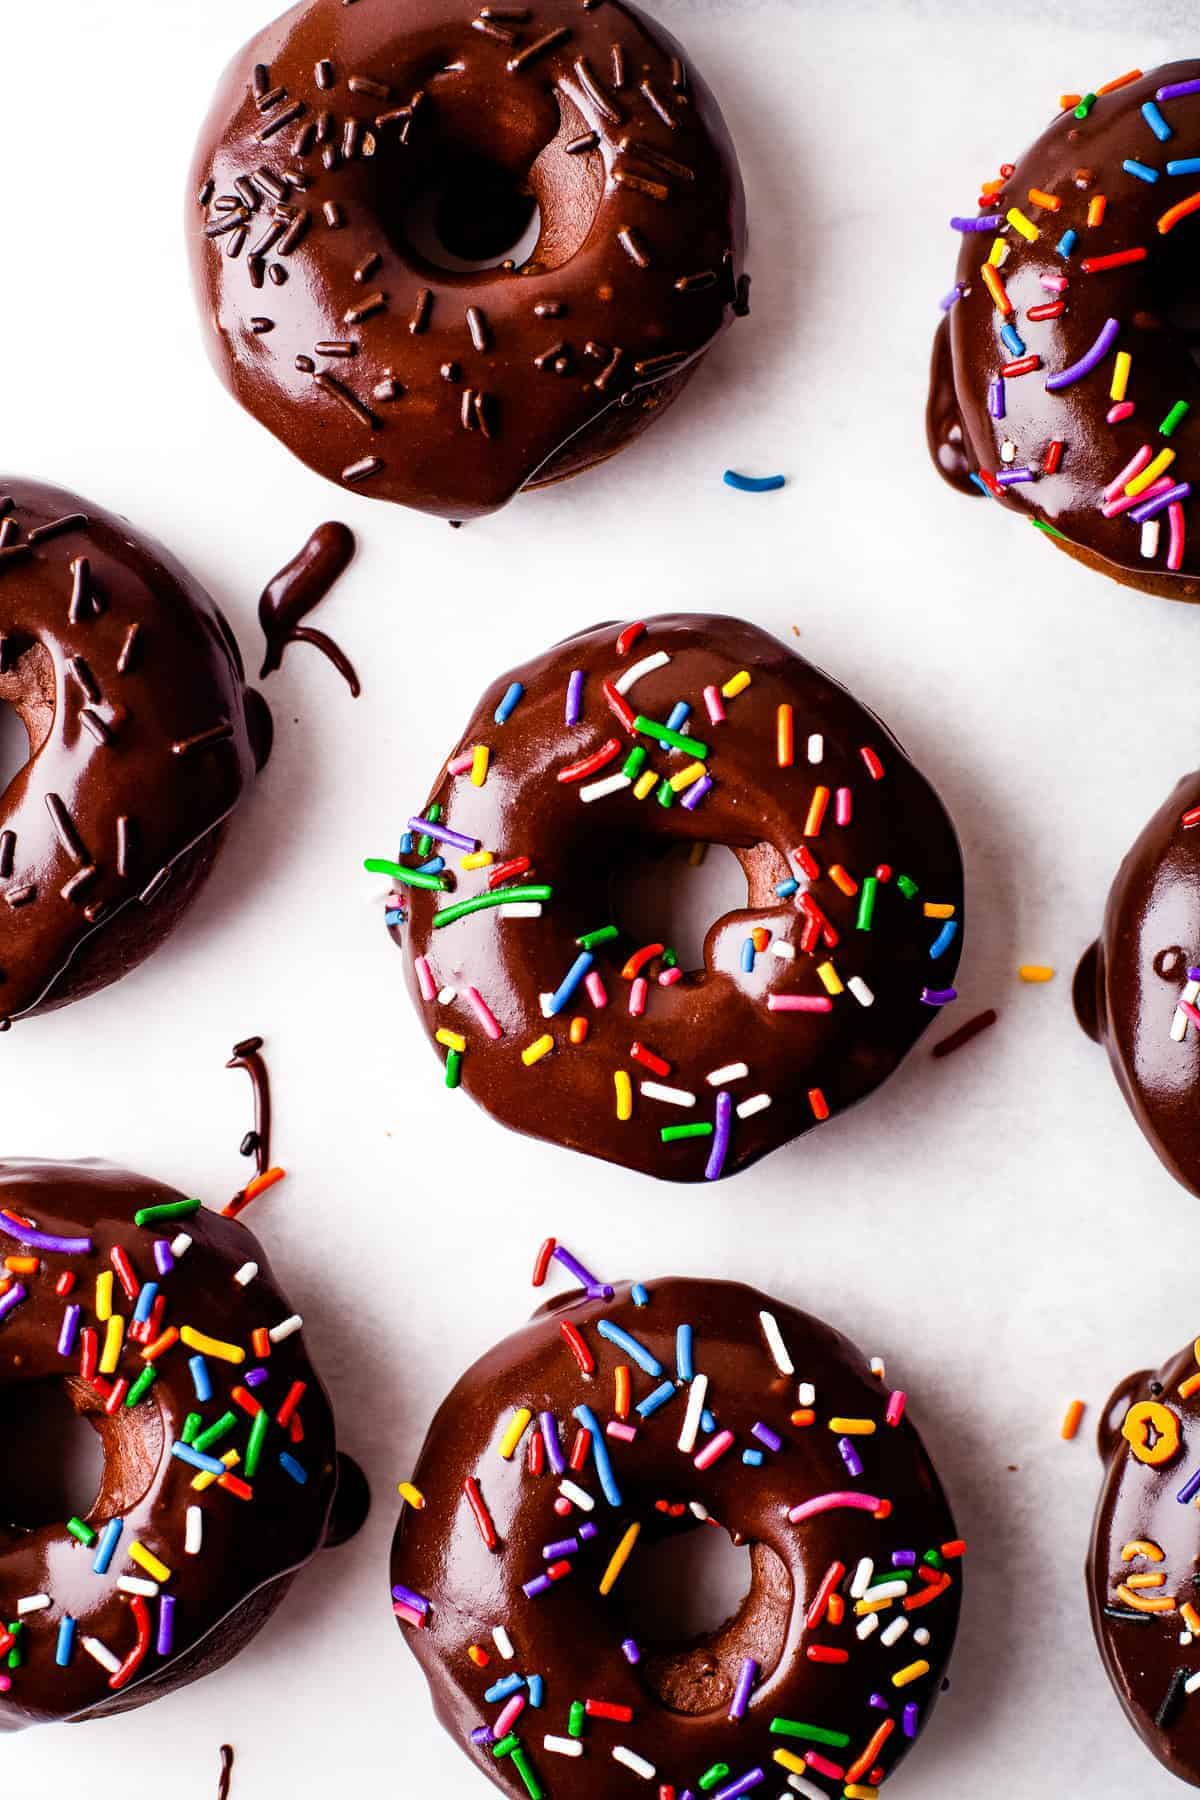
[[1039, 197], [866, 1761], [842, 879], [1110, 87], [1152, 1579], [991, 187], [996, 289], [1097, 207], [803, 1416], [161, 1345], [260, 1338], [479, 1656], [818, 1103], [760, 938], [262, 1182], [1170, 219], [816, 812], [1189, 1387], [1190, 1617], [621, 1386], [1068, 102], [1164, 1605], [1070, 1424], [785, 740], [835, 1609], [579, 1029], [22, 1265]]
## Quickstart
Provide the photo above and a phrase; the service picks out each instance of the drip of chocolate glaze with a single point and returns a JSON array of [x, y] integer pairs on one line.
[[299, 587], [226, 1772], [257, 1143]]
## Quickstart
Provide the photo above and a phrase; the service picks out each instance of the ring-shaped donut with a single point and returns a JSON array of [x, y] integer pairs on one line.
[[389, 366]]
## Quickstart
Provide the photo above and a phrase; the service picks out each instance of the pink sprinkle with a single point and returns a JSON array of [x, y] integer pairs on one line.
[[1178, 537], [669, 977], [805, 1003], [508, 1718], [1193, 1013], [637, 997], [1112, 508], [409, 1614], [897, 1401], [845, 806], [461, 764], [425, 979], [715, 705], [562, 1506], [597, 993], [5, 1684], [1132, 469], [874, 766], [484, 1013], [808, 1509], [1056, 284], [1123, 410], [714, 1450], [615, 1429], [823, 1766]]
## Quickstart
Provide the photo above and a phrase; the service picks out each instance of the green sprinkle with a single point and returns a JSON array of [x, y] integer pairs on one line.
[[935, 1559], [907, 886], [215, 1433], [142, 1385], [674, 740], [85, 1534], [453, 1068], [866, 902], [425, 842], [532, 1784], [575, 1721], [1175, 418], [254, 1449], [635, 762], [590, 939], [379, 865], [160, 1215], [1050, 530], [669, 959], [17, 1630], [507, 1745], [671, 1134], [481, 902], [710, 1777], [811, 1734], [665, 794], [191, 1426], [1085, 106]]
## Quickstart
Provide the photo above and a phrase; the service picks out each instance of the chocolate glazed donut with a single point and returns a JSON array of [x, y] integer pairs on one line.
[[1145, 1551], [626, 742], [350, 152], [142, 739], [1064, 378], [530, 1523], [169, 1334], [1137, 987]]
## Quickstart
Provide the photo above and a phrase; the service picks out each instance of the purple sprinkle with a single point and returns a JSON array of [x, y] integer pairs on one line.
[[1194, 974], [442, 834], [988, 222], [850, 1457], [538, 1585], [720, 1144], [997, 404], [70, 1327], [1176, 90], [766, 1436], [630, 1651], [481, 1735], [1189, 1490], [952, 298], [407, 1597], [747, 1675], [564, 1547], [1159, 502], [13, 1298], [1010, 477], [904, 1559], [1091, 360], [166, 1624], [164, 1261], [39, 1240], [596, 1290], [697, 791], [574, 697], [255, 1377], [912, 1713], [588, 1531], [733, 1790], [879, 1703], [938, 996], [549, 1425]]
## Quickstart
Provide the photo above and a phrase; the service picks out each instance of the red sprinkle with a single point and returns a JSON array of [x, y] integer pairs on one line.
[[607, 1709], [541, 1266], [648, 1060], [827, 1654], [874, 766], [1024, 365], [579, 1350], [1052, 461], [125, 1274], [591, 765], [1096, 265], [629, 637], [1052, 309], [483, 1517], [505, 871], [619, 705]]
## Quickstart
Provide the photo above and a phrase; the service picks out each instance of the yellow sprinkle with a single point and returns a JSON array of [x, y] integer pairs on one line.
[[104, 1295], [903, 1677], [645, 784], [536, 1051], [796, 1764], [856, 1791], [453, 1040], [209, 1346], [114, 1337], [478, 859], [146, 1559], [872, 1606], [624, 1089], [686, 777], [206, 1478], [831, 981], [1036, 972], [620, 1557], [479, 765], [517, 1426], [853, 1427], [1120, 380], [1020, 222], [737, 684], [697, 854], [1150, 473], [413, 1495], [998, 255], [938, 909]]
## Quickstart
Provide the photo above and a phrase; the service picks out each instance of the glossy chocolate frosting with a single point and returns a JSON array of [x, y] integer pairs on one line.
[[860, 922], [451, 388], [143, 739], [1091, 188], [847, 1696], [252, 1538], [1130, 983], [1144, 1557]]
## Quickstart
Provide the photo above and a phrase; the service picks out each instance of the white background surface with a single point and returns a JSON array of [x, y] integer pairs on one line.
[[994, 1222]]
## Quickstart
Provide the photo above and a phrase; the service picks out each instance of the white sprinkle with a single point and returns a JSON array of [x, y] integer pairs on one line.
[[867, 1626], [1180, 1023], [807, 1789], [697, 1394], [180, 1245], [32, 1603], [861, 991], [654, 1090], [546, 1002], [195, 1531], [647, 666], [521, 909], [133, 1584], [569, 1491], [757, 1103], [894, 1632], [807, 1393], [698, 1510], [1192, 1683], [563, 1746], [921, 1636], [447, 996], [783, 950], [1008, 451], [816, 747], [633, 1761], [731, 1072], [102, 1654], [246, 1274], [503, 1643], [1150, 539], [887, 1590], [286, 1329], [775, 1343], [599, 790], [863, 1576]]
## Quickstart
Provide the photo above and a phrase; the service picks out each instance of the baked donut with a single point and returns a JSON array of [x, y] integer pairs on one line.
[[613, 1423], [142, 741], [1142, 1562], [1064, 380], [165, 1328], [361, 179], [630, 740], [1137, 988]]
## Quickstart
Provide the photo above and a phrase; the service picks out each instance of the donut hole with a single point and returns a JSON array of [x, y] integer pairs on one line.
[[473, 215], [65, 1457], [701, 1605], [26, 708], [661, 896]]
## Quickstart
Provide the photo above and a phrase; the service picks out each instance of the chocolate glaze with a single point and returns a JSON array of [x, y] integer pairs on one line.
[[1130, 981], [450, 389], [807, 1063], [300, 586], [251, 1549], [257, 1143], [1139, 1505], [143, 737], [1076, 161], [572, 1636]]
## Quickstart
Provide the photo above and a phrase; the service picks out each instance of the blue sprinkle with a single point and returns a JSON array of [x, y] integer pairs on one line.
[[406, 844], [508, 705], [1013, 339], [639, 1294], [537, 1690], [981, 484], [434, 866], [653, 1401], [393, 917], [1156, 122], [747, 956], [1189, 1490], [569, 983], [684, 1363], [754, 484], [504, 1689], [110, 1537], [752, 1458], [1185, 165], [1142, 170], [201, 1379], [787, 888], [604, 1469], [944, 939], [708, 1423], [66, 1641], [208, 1465], [1067, 242], [679, 716], [291, 1467], [644, 1359], [145, 1302]]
